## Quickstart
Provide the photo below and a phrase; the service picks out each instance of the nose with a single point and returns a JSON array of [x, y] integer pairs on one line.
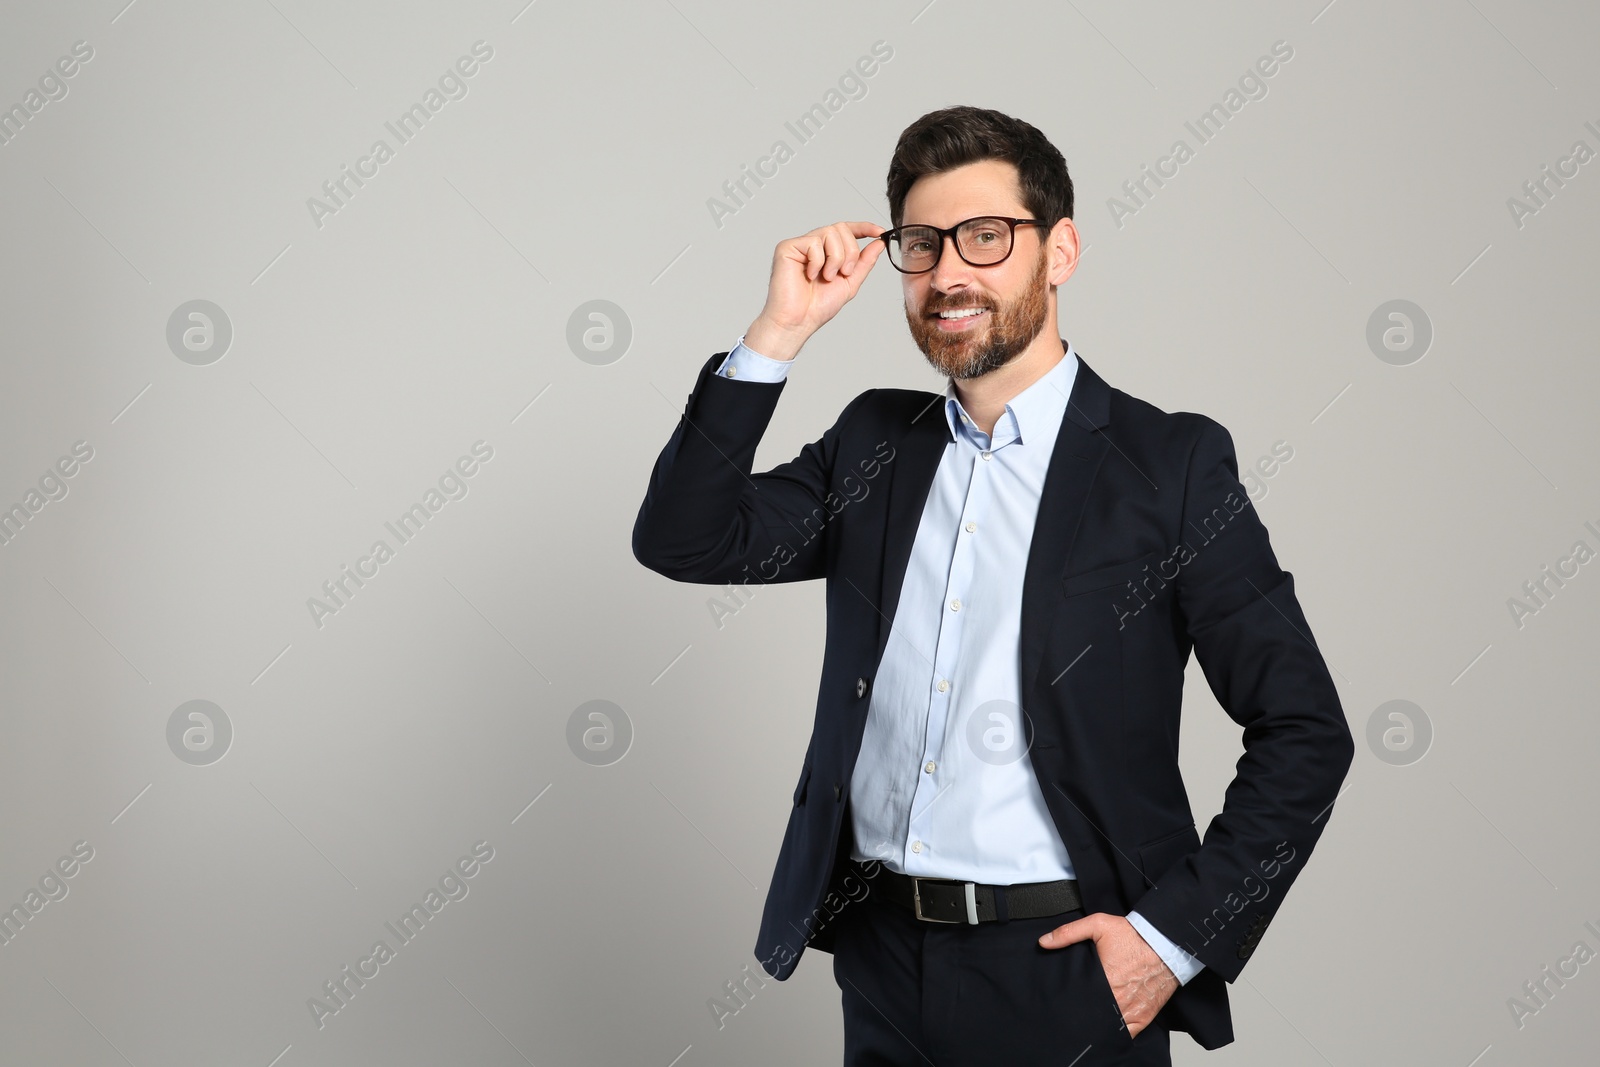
[[950, 272]]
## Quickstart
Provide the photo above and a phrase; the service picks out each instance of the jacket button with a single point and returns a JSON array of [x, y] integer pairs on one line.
[[838, 790], [861, 688]]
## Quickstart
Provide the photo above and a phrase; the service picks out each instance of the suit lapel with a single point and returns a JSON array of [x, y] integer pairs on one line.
[[910, 477], [1080, 448], [1078, 452]]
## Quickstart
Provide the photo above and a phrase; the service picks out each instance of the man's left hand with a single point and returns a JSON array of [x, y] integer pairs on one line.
[[1139, 979]]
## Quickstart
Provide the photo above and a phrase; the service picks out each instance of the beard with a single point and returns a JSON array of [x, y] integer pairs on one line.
[[1010, 328]]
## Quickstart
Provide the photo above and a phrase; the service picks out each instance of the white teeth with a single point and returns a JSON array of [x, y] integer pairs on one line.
[[961, 314]]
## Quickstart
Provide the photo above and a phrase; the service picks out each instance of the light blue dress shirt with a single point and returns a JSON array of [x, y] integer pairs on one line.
[[942, 786]]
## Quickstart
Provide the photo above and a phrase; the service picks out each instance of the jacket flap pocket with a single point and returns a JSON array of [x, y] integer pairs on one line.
[[800, 790], [1157, 857]]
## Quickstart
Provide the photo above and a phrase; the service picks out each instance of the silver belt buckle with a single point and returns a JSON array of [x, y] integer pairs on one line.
[[916, 899]]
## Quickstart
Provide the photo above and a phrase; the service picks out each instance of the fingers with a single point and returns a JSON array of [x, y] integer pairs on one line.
[[833, 245], [1140, 992], [840, 242], [1083, 929], [812, 254], [849, 252], [818, 248], [863, 260], [829, 251]]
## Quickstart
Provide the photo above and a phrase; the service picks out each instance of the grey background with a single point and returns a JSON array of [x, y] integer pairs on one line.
[[432, 311]]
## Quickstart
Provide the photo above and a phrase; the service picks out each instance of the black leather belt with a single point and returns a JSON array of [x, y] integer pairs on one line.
[[946, 900]]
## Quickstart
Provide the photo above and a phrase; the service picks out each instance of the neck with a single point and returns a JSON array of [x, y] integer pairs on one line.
[[985, 397]]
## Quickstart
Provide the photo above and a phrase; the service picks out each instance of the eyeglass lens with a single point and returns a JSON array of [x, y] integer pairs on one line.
[[982, 241]]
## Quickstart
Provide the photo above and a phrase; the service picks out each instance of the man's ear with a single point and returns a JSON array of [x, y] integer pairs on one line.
[[1064, 250]]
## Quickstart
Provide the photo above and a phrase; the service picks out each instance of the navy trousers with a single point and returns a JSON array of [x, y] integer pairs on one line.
[[917, 993]]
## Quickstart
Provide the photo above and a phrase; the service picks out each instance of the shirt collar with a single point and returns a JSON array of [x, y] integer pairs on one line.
[[1031, 412]]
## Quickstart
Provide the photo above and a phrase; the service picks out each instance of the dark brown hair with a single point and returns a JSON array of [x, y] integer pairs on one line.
[[955, 136]]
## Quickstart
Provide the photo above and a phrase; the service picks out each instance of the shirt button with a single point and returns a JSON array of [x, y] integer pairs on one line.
[[971, 526], [943, 684], [916, 846], [732, 371], [986, 455], [928, 766], [955, 604]]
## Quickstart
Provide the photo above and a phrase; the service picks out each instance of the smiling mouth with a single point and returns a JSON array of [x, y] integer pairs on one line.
[[959, 320]]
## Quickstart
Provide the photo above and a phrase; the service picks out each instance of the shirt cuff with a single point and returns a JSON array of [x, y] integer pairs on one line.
[[752, 366], [1179, 962]]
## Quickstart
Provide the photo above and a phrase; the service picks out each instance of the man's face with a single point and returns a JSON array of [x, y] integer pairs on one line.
[[1014, 294]]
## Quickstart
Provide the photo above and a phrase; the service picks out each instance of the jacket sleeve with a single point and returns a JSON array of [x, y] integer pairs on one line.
[[706, 518], [1259, 658]]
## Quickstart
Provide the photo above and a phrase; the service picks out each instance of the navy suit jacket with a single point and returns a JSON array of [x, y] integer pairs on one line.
[[1146, 547]]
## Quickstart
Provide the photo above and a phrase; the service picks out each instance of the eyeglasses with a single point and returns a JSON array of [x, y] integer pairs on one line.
[[982, 242]]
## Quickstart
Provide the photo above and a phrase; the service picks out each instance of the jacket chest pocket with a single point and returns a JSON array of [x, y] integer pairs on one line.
[[1109, 580]]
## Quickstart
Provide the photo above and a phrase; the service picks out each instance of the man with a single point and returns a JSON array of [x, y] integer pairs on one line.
[[990, 832]]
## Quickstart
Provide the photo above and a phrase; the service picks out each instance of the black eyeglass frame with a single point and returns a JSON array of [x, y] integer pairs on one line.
[[893, 235]]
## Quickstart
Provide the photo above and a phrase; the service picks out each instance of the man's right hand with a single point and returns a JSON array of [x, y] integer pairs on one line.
[[813, 276]]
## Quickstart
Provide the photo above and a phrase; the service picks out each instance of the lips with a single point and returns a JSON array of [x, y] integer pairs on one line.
[[962, 323]]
